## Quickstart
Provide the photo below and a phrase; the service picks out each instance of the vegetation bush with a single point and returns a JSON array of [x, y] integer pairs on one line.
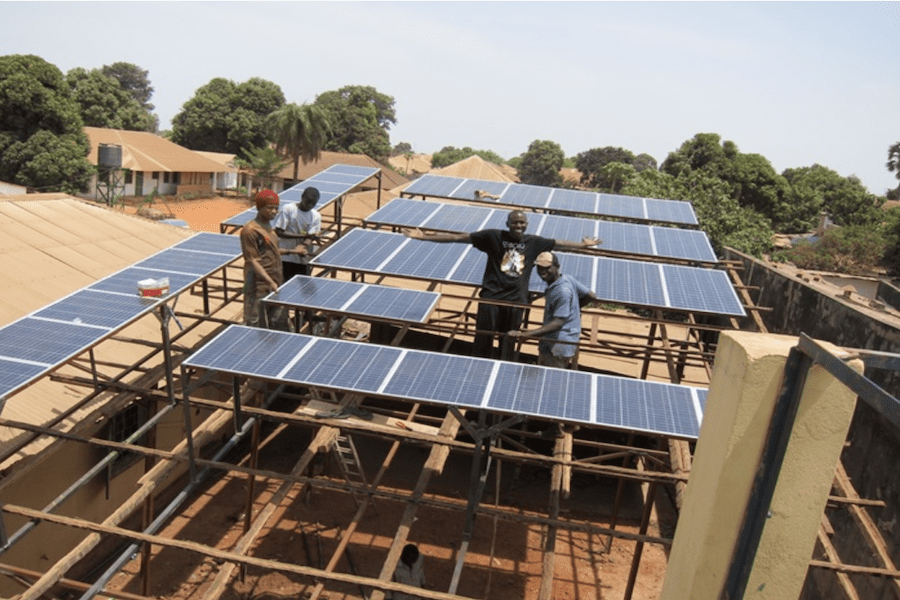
[[854, 250]]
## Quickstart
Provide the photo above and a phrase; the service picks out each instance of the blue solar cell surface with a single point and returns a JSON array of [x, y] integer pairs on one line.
[[332, 183], [14, 374], [430, 377], [611, 279], [356, 298], [216, 243], [46, 342], [250, 351], [71, 325], [575, 201], [101, 309], [334, 363], [433, 185], [631, 238], [183, 261], [509, 388]]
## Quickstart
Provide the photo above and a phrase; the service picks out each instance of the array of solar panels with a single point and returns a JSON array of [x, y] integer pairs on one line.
[[469, 383], [356, 299], [332, 183], [614, 280], [43, 340], [667, 242], [556, 199]]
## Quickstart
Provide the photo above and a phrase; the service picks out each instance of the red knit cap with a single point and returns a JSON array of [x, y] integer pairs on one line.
[[266, 197]]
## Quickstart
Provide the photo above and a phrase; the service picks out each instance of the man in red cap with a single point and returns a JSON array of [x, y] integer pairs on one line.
[[262, 264]]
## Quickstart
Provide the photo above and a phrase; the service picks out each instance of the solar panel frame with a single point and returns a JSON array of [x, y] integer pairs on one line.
[[354, 298], [616, 280], [669, 410], [70, 326], [630, 238], [559, 199], [332, 183]]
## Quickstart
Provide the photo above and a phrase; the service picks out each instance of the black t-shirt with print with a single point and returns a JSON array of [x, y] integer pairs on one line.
[[509, 263]]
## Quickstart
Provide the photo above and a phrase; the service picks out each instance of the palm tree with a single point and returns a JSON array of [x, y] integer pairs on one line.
[[893, 163], [299, 132]]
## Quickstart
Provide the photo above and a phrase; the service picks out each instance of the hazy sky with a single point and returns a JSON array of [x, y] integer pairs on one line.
[[799, 83]]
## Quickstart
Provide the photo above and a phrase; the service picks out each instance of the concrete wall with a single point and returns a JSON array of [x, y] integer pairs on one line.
[[873, 446], [743, 394]]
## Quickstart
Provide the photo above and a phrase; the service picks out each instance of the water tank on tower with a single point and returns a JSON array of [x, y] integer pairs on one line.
[[109, 156]]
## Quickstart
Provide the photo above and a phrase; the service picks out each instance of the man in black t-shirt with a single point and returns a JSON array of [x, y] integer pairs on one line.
[[510, 260]]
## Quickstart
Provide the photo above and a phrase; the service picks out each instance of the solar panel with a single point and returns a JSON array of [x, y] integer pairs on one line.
[[361, 299], [66, 328], [631, 238], [215, 243], [332, 183], [14, 373], [612, 279], [450, 380], [46, 342], [102, 309], [557, 199]]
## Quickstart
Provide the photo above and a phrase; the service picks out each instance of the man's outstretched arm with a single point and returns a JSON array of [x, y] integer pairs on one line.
[[587, 242], [418, 234]]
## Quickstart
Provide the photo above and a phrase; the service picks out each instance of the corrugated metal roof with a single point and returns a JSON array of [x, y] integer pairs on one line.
[[475, 167], [389, 178], [41, 261], [143, 151]]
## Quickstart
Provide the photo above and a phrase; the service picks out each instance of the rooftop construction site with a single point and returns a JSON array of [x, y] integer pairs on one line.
[[728, 428]]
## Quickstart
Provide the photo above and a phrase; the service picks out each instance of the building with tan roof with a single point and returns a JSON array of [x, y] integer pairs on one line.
[[150, 163]]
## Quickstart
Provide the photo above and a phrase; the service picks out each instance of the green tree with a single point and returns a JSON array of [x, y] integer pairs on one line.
[[360, 117], [42, 140], [450, 154], [541, 164], [845, 199], [264, 163], [105, 104], [893, 163], [299, 132], [855, 250], [591, 162], [136, 83], [702, 152], [725, 222], [227, 117], [401, 148]]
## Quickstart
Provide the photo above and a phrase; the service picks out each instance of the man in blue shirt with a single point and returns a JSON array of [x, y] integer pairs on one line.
[[562, 314], [510, 258]]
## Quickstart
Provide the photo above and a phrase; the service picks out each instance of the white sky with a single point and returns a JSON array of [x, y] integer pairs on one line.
[[799, 83]]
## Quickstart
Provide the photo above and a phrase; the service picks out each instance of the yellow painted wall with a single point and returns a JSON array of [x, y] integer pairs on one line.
[[743, 390]]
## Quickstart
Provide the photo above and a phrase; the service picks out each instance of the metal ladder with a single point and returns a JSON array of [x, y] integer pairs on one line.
[[351, 468]]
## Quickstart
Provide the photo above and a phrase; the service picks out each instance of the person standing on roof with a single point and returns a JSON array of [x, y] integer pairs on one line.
[[562, 314], [262, 264], [510, 260], [297, 225]]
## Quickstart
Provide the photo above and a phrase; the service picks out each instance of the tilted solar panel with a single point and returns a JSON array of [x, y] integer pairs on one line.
[[361, 299], [558, 199], [450, 380], [64, 329], [102, 309], [332, 183], [612, 279], [211, 242], [46, 342], [631, 238]]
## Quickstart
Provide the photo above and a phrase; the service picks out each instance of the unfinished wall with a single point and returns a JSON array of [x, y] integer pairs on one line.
[[872, 445]]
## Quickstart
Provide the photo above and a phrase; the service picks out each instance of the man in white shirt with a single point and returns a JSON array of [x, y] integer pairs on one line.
[[298, 225]]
